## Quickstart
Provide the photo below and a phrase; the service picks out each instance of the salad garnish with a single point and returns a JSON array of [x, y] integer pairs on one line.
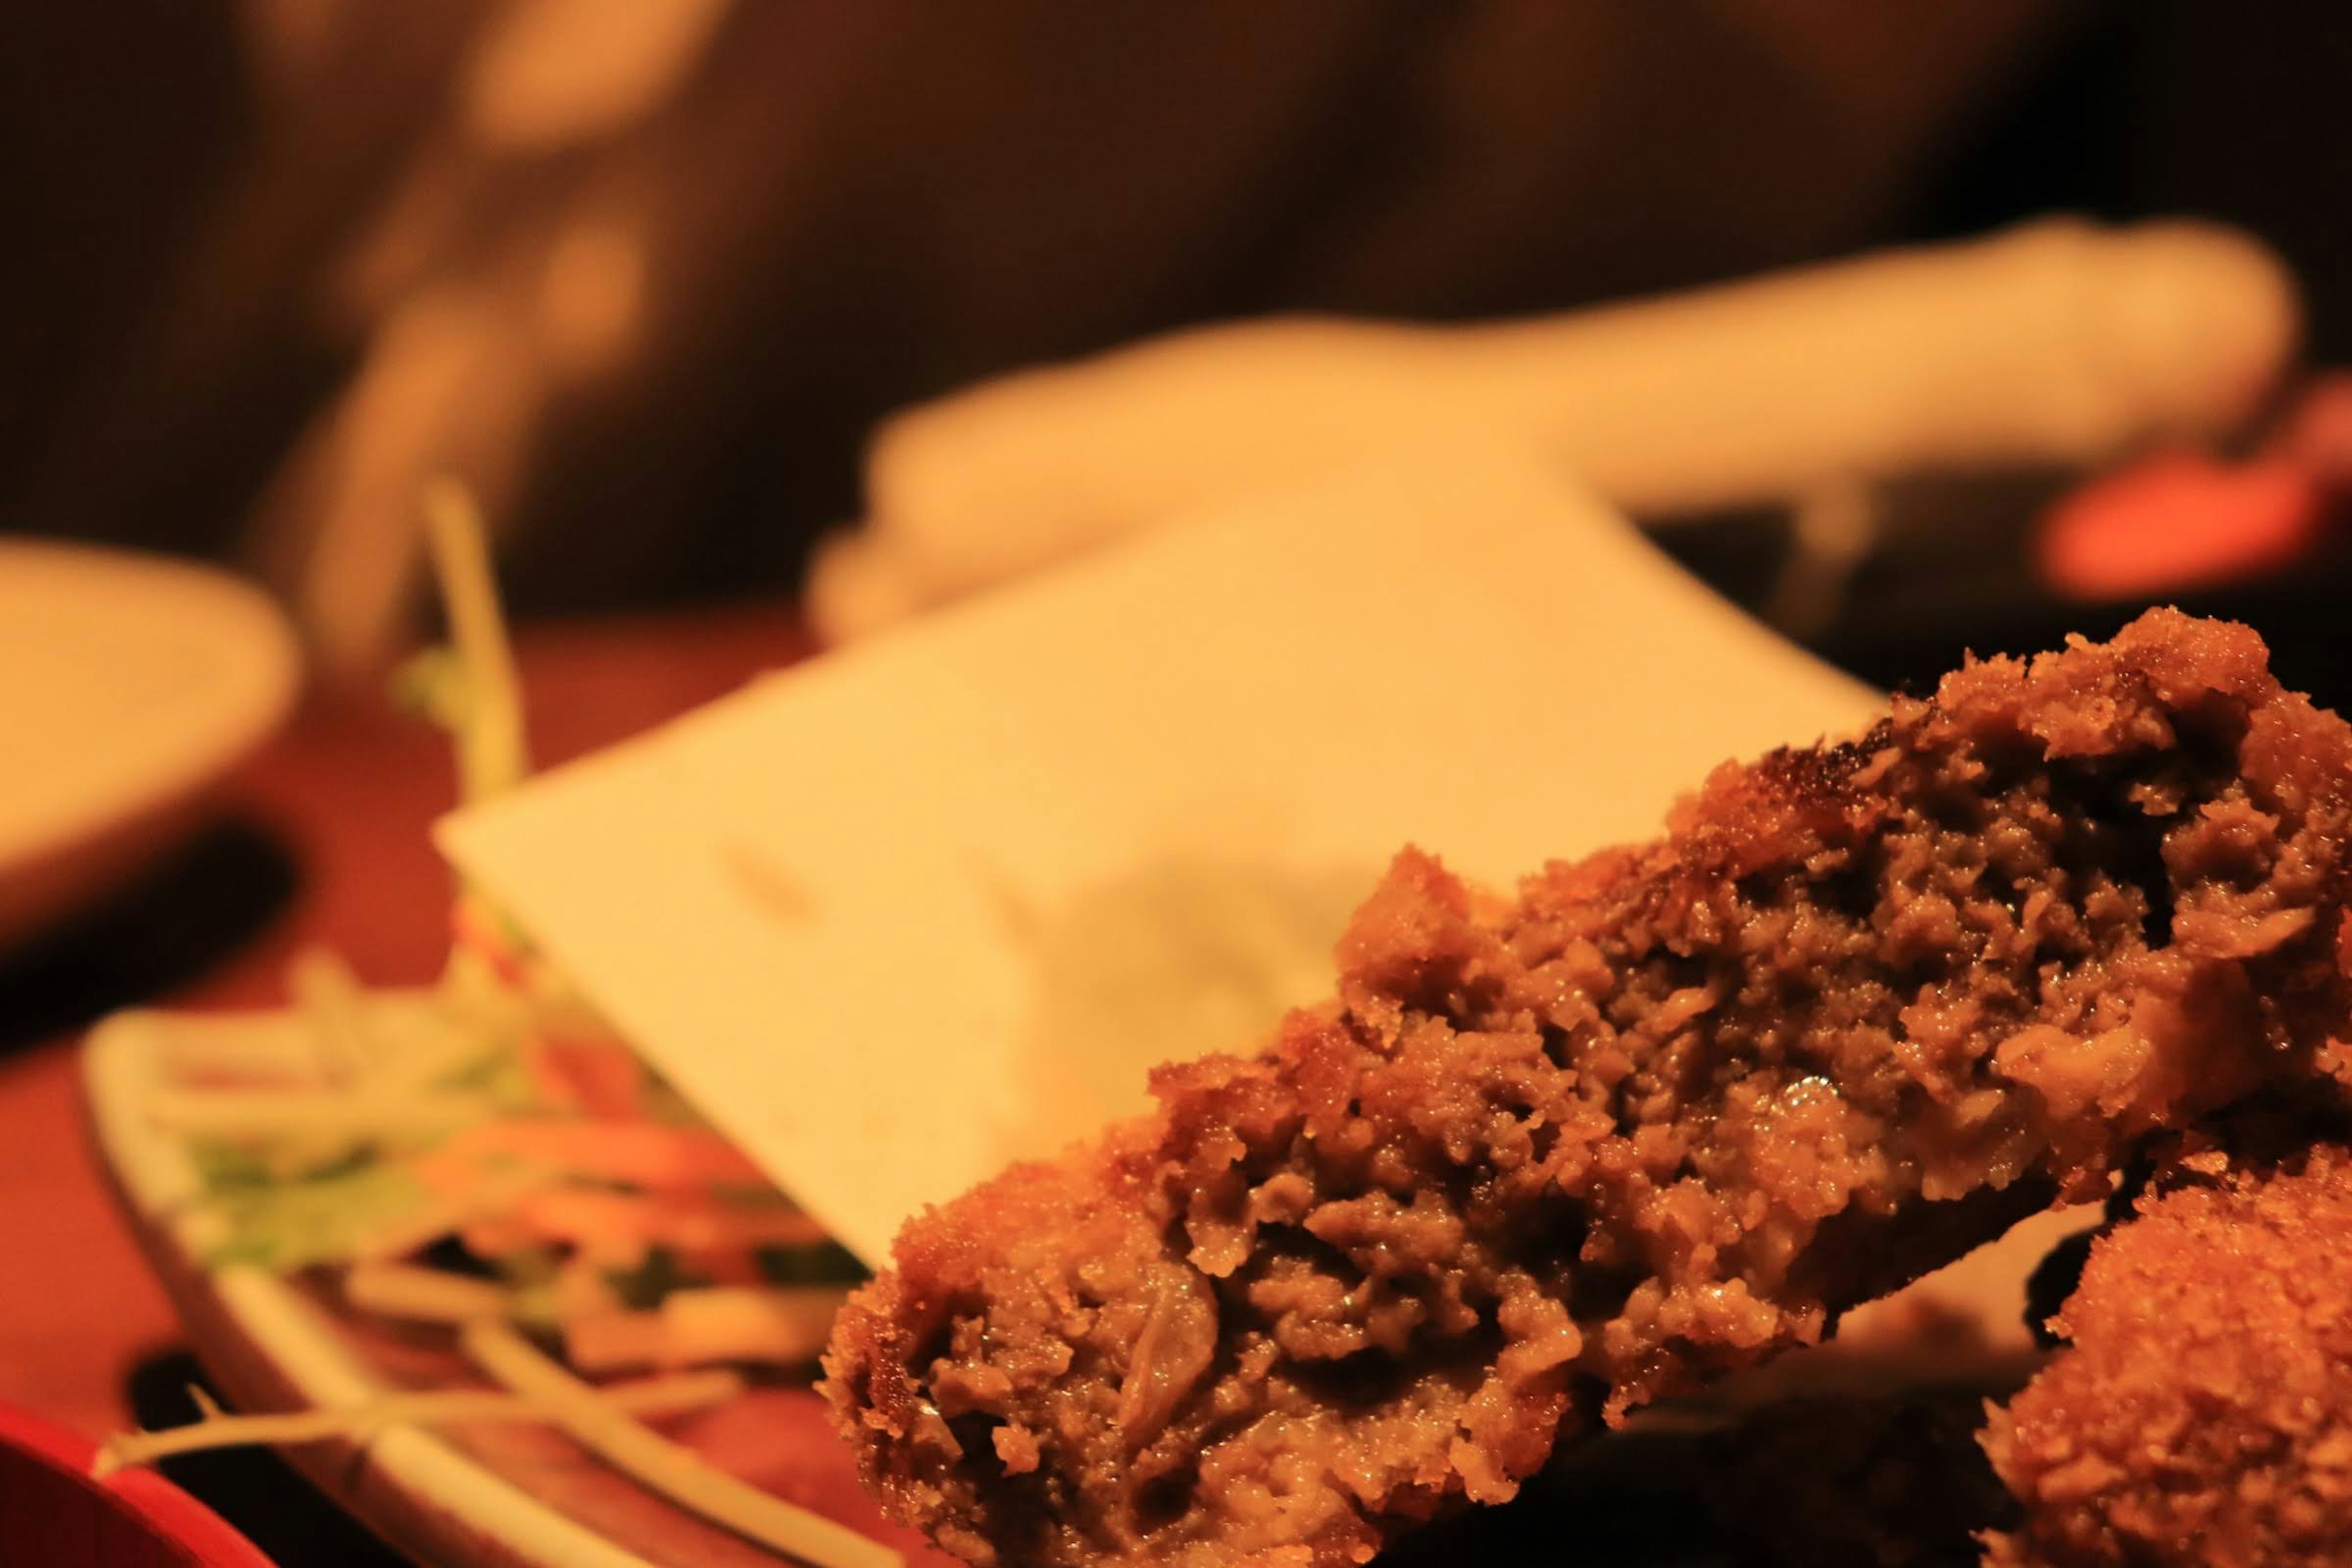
[[486, 1157]]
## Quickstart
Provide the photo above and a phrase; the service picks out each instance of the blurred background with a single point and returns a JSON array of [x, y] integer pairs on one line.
[[658, 279], [647, 275]]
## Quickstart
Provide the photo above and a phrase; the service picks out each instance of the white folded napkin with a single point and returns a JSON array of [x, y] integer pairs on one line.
[[918, 907], [2058, 342]]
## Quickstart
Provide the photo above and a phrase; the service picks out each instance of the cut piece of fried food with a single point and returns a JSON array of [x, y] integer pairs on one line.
[[1665, 1113], [2202, 1413]]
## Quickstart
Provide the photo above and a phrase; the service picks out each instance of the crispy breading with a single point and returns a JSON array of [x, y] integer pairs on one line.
[[2202, 1412], [1664, 1114]]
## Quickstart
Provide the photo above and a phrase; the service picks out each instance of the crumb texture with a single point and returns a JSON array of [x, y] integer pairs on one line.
[[2202, 1412], [1664, 1113]]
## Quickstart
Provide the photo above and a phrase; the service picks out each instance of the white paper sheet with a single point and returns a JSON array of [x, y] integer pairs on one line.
[[906, 911]]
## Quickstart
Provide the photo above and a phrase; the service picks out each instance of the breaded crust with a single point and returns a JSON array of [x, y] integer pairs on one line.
[[2202, 1413], [1664, 1114]]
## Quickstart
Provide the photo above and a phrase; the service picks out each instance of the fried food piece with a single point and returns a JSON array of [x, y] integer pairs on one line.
[[1666, 1113], [2203, 1415]]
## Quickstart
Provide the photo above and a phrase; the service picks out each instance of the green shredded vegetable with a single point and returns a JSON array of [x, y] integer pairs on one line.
[[285, 1225], [290, 1197], [403, 1134]]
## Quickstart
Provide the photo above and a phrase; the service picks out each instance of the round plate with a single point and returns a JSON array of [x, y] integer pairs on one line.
[[470, 1497], [128, 684]]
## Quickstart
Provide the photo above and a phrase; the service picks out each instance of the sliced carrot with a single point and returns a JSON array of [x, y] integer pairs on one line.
[[779, 1326], [771, 1324], [550, 1083], [497, 1238], [583, 1215], [646, 1154], [473, 927], [616, 1340], [445, 1172], [602, 1079]]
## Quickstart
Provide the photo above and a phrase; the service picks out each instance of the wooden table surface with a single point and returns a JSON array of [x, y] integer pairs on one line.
[[349, 789]]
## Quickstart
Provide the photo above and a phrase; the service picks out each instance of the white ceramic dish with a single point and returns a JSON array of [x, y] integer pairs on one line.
[[471, 1513], [128, 684], [484, 1497]]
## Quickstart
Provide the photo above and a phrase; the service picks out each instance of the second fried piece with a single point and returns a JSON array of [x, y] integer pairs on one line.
[[2203, 1413]]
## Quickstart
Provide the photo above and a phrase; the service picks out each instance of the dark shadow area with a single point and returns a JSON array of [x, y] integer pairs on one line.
[[1951, 572], [1813, 1483], [1620, 1502], [253, 1488], [178, 918]]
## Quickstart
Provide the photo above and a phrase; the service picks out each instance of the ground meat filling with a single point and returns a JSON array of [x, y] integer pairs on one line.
[[1668, 1111]]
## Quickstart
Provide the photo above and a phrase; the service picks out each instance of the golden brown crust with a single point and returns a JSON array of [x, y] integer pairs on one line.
[[2203, 1413], [1664, 1114]]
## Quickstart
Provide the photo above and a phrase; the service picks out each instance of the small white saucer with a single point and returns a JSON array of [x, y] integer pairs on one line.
[[129, 684]]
